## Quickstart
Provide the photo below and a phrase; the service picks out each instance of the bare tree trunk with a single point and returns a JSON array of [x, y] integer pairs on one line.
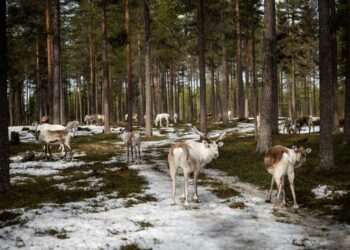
[[105, 69], [148, 69], [93, 84], [79, 102], [141, 81], [48, 21], [346, 137], [239, 80], [4, 108], [336, 128], [265, 130], [218, 95], [212, 95], [326, 86], [39, 83], [225, 87], [247, 103], [61, 82], [56, 66], [189, 89]]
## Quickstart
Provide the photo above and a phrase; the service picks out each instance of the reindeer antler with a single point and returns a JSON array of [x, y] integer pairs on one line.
[[201, 134], [222, 136]]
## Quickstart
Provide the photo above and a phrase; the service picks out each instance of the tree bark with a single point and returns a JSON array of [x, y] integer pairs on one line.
[[48, 23], [225, 86], [201, 63], [148, 69], [4, 118], [239, 80], [346, 137], [105, 70], [92, 67], [336, 128], [265, 130], [56, 66], [142, 102], [212, 93], [326, 86]]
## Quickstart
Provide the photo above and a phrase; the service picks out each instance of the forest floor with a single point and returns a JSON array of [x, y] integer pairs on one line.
[[98, 200]]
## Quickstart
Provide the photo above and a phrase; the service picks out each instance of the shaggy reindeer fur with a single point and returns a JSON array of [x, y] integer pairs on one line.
[[281, 161]]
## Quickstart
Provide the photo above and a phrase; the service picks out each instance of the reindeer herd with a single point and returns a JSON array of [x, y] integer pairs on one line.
[[190, 156]]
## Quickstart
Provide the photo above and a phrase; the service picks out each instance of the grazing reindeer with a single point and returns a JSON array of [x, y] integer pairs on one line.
[[192, 156], [132, 141], [304, 120], [281, 161], [160, 117]]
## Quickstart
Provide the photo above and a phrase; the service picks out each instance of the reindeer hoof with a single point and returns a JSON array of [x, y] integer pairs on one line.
[[186, 204], [197, 200], [295, 207], [173, 203], [268, 200]]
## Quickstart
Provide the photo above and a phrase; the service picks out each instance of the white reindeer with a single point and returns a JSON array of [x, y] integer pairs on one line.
[[45, 134], [134, 117], [281, 161], [176, 116], [132, 141], [229, 115], [100, 119], [192, 156], [160, 117], [72, 127]]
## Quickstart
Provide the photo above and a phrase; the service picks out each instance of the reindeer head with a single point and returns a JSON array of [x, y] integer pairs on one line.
[[301, 153], [212, 146]]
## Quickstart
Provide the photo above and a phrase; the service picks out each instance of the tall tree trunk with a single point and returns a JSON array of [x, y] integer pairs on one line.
[[56, 66], [189, 89], [171, 92], [346, 137], [247, 103], [4, 108], [201, 63], [48, 22], [148, 69], [212, 93], [265, 130], [255, 95], [105, 70], [92, 67], [79, 102], [326, 86], [225, 90], [39, 83], [336, 128], [218, 95], [142, 102], [128, 65], [239, 80]]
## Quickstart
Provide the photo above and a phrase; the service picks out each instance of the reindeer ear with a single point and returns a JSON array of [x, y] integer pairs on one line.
[[220, 144], [294, 148], [308, 150]]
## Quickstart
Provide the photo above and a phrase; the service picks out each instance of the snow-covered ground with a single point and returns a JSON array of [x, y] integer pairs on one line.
[[106, 223]]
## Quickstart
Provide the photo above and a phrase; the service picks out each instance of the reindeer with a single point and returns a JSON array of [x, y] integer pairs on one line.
[[304, 120], [192, 156], [45, 134], [132, 141], [72, 127], [281, 161], [160, 117]]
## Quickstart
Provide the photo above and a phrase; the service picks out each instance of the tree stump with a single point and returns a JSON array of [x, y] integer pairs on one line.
[[15, 138]]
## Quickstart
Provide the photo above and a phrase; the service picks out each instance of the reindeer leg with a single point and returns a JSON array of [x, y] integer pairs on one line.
[[283, 194], [48, 145], [291, 183], [173, 178], [195, 177], [279, 188], [186, 204], [268, 199]]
